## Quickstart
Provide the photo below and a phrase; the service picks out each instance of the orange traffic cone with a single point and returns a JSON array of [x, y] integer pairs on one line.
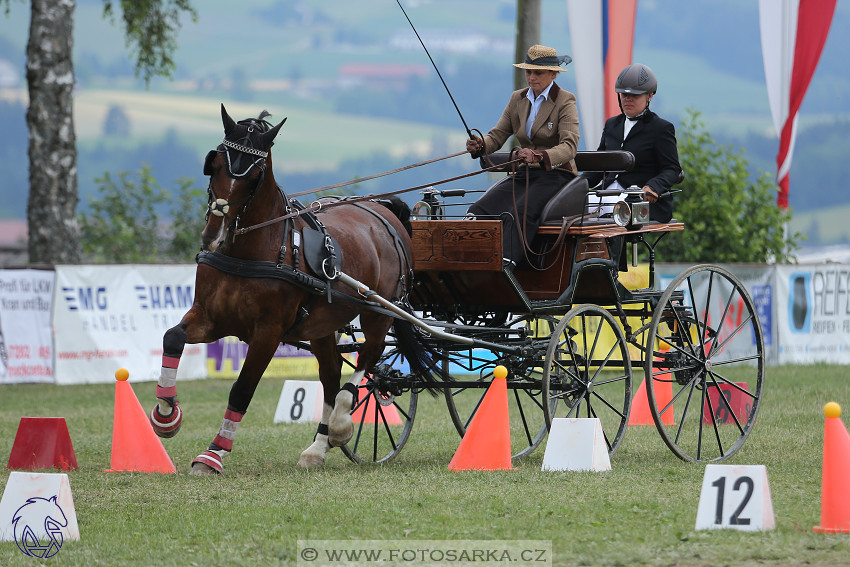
[[640, 413], [135, 446], [42, 443], [835, 488], [487, 442], [388, 414]]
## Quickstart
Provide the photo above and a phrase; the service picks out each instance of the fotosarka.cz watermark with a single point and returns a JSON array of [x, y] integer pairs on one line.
[[421, 553]]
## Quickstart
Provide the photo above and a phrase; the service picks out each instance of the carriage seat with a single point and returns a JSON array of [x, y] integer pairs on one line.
[[571, 199], [567, 202]]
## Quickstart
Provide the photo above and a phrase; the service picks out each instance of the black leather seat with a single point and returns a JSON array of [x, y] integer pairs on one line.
[[567, 202]]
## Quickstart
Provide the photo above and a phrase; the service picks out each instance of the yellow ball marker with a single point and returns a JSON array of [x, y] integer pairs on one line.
[[832, 409], [500, 372], [122, 374]]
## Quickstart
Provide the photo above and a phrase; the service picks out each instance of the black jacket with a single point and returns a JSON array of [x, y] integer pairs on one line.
[[652, 140]]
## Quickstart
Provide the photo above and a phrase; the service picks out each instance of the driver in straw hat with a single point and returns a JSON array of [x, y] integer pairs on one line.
[[544, 122]]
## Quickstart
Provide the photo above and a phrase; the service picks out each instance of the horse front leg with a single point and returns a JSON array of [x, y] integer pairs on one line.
[[166, 417], [257, 360]]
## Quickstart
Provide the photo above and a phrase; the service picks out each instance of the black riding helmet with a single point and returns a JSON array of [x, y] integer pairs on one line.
[[635, 79]]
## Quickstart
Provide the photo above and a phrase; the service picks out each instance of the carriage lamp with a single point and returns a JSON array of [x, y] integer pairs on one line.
[[633, 212], [427, 207], [420, 211]]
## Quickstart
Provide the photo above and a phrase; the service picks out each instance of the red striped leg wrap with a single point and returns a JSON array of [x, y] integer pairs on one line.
[[167, 386], [227, 433], [166, 426], [166, 393], [211, 459]]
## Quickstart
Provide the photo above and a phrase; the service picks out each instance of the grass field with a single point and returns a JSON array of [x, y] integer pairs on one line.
[[642, 512]]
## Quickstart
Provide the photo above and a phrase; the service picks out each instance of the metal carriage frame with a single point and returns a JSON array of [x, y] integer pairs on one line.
[[571, 335]]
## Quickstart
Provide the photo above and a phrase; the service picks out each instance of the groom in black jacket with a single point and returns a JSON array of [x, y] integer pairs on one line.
[[649, 137]]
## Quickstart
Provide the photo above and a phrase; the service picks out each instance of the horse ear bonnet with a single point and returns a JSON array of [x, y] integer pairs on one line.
[[208, 162]]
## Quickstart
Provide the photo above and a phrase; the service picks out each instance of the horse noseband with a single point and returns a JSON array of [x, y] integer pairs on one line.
[[219, 207]]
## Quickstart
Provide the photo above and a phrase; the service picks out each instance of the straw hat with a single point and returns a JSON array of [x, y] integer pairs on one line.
[[542, 57]]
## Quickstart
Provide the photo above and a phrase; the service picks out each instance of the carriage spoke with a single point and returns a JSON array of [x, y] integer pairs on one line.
[[712, 343], [588, 368]]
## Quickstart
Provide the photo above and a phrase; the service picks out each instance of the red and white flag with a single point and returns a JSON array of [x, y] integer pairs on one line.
[[793, 33], [602, 33]]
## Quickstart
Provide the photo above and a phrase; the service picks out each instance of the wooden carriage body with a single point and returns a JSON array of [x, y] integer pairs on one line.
[[458, 266]]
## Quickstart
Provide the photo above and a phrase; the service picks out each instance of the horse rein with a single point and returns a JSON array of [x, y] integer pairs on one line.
[[317, 206]]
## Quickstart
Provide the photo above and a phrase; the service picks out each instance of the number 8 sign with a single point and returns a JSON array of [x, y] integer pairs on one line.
[[300, 402], [735, 497]]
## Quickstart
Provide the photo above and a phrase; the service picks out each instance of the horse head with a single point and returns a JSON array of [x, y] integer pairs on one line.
[[239, 169]]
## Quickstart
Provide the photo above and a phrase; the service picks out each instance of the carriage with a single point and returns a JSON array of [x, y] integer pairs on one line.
[[575, 338], [572, 336]]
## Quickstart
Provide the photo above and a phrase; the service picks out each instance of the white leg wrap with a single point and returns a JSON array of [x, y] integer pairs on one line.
[[340, 426]]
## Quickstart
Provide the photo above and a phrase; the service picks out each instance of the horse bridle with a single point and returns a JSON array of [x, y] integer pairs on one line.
[[221, 207]]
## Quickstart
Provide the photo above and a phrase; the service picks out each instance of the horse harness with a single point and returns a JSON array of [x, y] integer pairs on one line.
[[319, 250]]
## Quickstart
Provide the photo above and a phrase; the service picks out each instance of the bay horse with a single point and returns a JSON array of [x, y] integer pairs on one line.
[[258, 287]]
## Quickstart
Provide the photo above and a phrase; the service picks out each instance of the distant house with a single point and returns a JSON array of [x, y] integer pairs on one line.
[[13, 242]]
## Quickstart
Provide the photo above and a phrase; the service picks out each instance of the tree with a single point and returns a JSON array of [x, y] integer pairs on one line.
[[124, 225], [527, 34], [150, 28], [728, 215]]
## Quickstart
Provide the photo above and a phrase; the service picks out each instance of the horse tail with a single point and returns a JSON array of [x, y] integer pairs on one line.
[[423, 360], [400, 209]]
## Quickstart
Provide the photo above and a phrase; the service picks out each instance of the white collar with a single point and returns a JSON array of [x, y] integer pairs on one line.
[[545, 94]]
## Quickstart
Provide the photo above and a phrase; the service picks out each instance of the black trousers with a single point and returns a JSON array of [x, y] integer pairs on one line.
[[523, 219]]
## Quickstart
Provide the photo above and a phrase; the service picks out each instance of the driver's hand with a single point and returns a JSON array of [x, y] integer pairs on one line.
[[649, 194], [529, 156], [474, 145]]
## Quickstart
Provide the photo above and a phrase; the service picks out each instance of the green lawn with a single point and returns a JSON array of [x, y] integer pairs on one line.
[[642, 512]]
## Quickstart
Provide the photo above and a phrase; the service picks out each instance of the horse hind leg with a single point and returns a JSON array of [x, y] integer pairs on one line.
[[341, 427], [166, 417], [314, 455]]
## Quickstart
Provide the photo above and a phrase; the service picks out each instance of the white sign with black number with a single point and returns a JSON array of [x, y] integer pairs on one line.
[[735, 497], [300, 402]]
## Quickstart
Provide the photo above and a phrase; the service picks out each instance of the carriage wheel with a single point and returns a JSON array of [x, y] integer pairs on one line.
[[588, 370], [383, 415], [475, 366], [704, 378]]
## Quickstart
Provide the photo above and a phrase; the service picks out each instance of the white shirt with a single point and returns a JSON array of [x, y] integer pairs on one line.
[[535, 107], [627, 126]]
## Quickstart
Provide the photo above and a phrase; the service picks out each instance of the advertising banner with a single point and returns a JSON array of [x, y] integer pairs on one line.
[[26, 344], [110, 317], [760, 283], [814, 319]]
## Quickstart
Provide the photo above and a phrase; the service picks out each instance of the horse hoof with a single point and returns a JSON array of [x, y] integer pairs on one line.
[[207, 463], [200, 469], [340, 429], [166, 427], [340, 440], [310, 461]]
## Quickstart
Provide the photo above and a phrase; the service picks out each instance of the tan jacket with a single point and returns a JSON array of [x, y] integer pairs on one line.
[[555, 130]]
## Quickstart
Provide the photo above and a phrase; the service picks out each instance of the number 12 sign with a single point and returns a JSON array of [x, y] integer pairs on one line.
[[735, 497]]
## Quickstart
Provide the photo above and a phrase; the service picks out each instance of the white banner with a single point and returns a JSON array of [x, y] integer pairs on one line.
[[26, 302], [814, 318], [759, 281], [109, 317]]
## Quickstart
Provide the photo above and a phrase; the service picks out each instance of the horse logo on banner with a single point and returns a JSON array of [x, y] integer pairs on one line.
[[39, 517]]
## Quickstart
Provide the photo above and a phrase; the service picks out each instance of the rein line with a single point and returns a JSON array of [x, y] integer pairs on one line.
[[377, 175], [316, 206]]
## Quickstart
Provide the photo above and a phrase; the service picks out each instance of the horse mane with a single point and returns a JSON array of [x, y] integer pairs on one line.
[[400, 209]]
